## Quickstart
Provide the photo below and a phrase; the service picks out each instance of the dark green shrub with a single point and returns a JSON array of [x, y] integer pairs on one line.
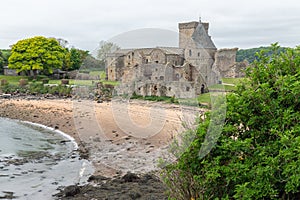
[[257, 156]]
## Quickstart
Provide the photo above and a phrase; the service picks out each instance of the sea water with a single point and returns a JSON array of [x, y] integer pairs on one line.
[[36, 160]]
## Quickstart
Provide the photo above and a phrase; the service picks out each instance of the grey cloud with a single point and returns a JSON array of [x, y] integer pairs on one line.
[[233, 23]]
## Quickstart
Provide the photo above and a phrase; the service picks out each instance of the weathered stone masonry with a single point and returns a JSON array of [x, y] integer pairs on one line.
[[183, 72]]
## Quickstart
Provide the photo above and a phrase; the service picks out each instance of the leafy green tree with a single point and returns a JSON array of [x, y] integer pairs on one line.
[[4, 55], [104, 49], [74, 59], [257, 156], [1, 63], [36, 54]]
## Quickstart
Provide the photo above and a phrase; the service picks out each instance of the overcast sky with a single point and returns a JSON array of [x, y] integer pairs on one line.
[[84, 23]]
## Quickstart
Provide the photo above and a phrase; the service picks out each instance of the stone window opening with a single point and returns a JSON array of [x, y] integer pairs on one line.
[[187, 89], [146, 61], [129, 56], [202, 88], [156, 61], [170, 88], [198, 54], [190, 52], [155, 87], [161, 78]]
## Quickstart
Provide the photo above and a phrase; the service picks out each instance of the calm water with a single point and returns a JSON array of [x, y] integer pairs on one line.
[[35, 161]]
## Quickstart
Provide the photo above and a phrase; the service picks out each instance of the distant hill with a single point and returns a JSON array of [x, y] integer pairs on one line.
[[249, 54]]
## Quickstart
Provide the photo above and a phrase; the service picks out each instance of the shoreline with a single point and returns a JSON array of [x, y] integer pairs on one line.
[[57, 131], [105, 139]]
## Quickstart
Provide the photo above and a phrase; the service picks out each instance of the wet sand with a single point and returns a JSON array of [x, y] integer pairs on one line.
[[117, 137]]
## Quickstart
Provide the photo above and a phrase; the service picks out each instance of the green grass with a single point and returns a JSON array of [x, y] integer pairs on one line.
[[222, 87], [75, 82], [233, 81], [204, 98], [14, 80], [114, 83], [100, 73]]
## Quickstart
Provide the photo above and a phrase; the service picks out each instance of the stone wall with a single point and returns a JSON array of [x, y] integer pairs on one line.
[[186, 31], [225, 62]]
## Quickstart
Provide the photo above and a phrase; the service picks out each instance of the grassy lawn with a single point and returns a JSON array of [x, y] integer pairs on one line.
[[75, 82], [100, 73], [233, 81], [14, 80], [221, 87]]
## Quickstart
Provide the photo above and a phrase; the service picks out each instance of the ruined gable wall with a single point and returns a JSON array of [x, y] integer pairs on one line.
[[158, 56], [175, 60], [225, 59], [115, 67]]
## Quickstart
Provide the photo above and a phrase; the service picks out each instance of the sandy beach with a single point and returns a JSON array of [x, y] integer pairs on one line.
[[117, 136]]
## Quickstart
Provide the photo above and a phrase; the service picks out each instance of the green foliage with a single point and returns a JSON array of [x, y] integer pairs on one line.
[[4, 55], [36, 88], [74, 59], [154, 98], [37, 53], [257, 156], [250, 54]]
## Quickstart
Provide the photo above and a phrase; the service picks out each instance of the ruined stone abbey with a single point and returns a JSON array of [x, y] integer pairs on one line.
[[183, 72]]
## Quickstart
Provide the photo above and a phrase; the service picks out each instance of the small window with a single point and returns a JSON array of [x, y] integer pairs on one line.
[[156, 61], [190, 52], [161, 78], [146, 61], [111, 70], [170, 88], [129, 56], [187, 89], [198, 54]]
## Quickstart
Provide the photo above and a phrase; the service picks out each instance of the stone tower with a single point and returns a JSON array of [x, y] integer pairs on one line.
[[186, 31], [199, 49]]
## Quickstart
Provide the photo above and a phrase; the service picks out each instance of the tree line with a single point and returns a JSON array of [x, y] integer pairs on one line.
[[251, 54], [43, 55]]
